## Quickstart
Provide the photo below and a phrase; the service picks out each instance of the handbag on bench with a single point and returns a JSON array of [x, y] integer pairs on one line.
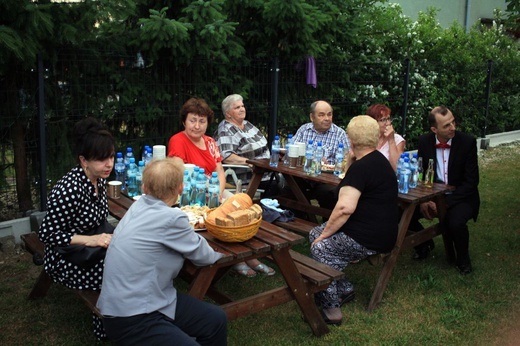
[[86, 256]]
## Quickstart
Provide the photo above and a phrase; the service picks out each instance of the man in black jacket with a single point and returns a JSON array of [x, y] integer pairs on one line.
[[456, 164]]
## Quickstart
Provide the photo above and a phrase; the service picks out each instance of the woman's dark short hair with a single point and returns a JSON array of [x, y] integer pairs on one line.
[[196, 106], [93, 141]]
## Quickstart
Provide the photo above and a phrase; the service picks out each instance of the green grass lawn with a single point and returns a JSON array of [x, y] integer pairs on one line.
[[425, 303]]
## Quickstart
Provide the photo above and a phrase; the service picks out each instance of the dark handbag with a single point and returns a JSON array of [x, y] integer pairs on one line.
[[85, 256]]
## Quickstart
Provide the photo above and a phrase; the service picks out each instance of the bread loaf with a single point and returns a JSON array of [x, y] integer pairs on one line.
[[240, 201], [238, 217], [257, 209]]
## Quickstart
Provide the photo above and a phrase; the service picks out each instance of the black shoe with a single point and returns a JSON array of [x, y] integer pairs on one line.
[[329, 321], [464, 266], [422, 251], [346, 298]]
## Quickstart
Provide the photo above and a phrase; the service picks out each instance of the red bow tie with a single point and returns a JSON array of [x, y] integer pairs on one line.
[[442, 145]]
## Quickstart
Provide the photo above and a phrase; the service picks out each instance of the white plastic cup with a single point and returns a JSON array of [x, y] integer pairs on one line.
[[159, 152], [301, 152], [293, 153]]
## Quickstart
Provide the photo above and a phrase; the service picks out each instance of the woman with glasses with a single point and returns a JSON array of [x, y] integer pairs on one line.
[[390, 143]]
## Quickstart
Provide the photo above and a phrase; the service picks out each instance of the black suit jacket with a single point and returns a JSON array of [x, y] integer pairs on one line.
[[462, 167]]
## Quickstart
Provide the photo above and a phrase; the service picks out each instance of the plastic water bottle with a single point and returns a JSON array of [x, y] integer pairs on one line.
[[400, 164], [404, 178], [139, 177], [129, 154], [149, 156], [144, 153], [287, 143], [338, 166], [414, 177], [309, 157], [131, 175], [193, 193], [186, 190], [200, 185], [275, 152], [213, 191], [120, 169], [318, 157]]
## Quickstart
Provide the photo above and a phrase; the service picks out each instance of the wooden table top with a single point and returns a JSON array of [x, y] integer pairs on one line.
[[415, 195]]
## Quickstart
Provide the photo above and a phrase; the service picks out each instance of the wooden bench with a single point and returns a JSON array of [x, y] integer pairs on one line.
[[36, 248], [297, 225], [318, 276]]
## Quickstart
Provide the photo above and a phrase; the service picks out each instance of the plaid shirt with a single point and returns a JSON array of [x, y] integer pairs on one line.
[[329, 139], [249, 142]]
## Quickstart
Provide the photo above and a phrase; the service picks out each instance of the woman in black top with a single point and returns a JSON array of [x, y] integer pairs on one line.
[[364, 219]]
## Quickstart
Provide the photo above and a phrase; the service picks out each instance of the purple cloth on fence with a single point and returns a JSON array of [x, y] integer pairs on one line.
[[310, 67]]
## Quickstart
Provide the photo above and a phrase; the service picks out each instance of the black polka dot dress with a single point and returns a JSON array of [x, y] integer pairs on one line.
[[73, 208]]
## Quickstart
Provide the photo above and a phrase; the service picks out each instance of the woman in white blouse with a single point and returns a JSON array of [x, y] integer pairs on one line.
[[390, 143]]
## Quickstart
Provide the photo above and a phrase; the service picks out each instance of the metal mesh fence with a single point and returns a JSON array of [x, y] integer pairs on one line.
[[140, 104]]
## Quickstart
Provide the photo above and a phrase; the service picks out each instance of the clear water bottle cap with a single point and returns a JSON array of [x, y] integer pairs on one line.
[[128, 150], [132, 160], [119, 155], [214, 174], [276, 138], [340, 145]]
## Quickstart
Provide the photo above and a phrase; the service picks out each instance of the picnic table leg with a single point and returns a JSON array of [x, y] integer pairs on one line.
[[298, 194], [299, 290], [255, 181], [202, 280], [446, 237], [384, 277], [42, 285]]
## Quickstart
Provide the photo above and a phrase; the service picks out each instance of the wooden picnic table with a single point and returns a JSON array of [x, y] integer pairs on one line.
[[302, 275], [408, 203]]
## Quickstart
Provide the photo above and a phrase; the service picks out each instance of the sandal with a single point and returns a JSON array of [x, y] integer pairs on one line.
[[262, 268], [244, 270]]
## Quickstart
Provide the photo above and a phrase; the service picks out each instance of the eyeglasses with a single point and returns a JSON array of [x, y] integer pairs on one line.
[[385, 120]]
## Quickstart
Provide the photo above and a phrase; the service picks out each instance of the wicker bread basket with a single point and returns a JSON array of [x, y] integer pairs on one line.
[[233, 234]]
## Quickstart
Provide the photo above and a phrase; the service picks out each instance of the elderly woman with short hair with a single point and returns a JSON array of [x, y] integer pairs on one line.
[[364, 219], [239, 141], [237, 138]]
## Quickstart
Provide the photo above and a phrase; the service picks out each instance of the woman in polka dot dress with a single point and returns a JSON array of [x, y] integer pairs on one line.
[[76, 205]]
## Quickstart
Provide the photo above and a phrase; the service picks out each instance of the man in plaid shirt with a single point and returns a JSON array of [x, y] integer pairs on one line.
[[322, 129]]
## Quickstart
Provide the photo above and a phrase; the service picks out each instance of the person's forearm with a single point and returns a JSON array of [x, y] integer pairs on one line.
[[234, 159], [338, 218]]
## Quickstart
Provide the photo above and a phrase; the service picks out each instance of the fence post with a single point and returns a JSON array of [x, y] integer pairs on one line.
[[405, 95], [275, 72], [42, 138], [487, 96]]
